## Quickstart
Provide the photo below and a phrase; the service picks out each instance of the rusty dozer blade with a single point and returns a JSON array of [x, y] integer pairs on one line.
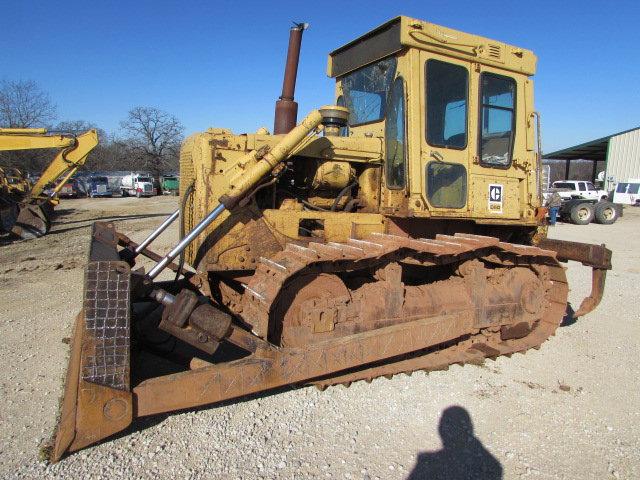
[[97, 398], [598, 257]]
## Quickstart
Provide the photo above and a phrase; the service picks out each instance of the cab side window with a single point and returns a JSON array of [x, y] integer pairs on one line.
[[395, 136], [497, 119]]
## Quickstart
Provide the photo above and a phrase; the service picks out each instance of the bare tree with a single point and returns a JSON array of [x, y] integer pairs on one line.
[[79, 126], [107, 155], [110, 154], [24, 105], [153, 139]]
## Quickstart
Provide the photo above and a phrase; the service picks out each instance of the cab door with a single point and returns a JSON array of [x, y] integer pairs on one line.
[[498, 174], [445, 134]]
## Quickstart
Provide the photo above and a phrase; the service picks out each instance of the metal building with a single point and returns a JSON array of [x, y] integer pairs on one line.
[[620, 153]]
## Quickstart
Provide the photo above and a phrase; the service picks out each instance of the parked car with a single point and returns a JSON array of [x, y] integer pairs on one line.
[[98, 186], [169, 185], [137, 184]]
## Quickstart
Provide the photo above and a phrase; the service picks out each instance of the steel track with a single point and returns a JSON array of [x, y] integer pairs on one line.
[[274, 273]]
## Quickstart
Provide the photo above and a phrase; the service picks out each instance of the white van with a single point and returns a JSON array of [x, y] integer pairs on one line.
[[627, 192]]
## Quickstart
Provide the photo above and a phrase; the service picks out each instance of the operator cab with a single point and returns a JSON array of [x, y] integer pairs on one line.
[[456, 114]]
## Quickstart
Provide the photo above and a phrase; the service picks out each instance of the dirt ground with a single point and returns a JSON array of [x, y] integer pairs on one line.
[[569, 410]]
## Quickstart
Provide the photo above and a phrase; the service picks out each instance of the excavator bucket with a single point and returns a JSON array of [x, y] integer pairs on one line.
[[97, 398], [32, 221]]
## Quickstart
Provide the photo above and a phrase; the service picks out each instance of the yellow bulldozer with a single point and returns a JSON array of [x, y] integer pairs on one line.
[[400, 229], [26, 210]]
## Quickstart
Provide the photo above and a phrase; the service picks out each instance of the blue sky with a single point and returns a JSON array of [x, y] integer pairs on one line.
[[220, 63]]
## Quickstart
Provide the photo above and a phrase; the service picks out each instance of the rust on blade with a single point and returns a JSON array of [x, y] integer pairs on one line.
[[221, 382], [89, 412], [97, 398], [66, 429]]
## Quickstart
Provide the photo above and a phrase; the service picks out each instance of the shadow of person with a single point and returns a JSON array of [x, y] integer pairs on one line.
[[569, 316], [462, 455]]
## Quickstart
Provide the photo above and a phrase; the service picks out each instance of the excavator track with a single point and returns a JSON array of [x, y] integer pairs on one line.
[[488, 340]]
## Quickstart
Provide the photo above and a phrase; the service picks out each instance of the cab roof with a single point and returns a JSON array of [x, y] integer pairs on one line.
[[402, 32]]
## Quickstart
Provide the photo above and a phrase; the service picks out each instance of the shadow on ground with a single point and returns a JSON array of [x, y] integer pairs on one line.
[[462, 455], [110, 218], [88, 222], [8, 238], [569, 316]]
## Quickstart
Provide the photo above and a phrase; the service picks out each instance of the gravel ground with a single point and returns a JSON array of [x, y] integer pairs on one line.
[[568, 410]]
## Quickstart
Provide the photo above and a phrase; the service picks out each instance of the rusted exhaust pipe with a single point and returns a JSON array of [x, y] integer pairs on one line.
[[286, 108]]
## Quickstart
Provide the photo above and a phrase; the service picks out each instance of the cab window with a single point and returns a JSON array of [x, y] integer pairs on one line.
[[446, 185], [344, 131], [582, 187], [395, 136], [447, 87], [497, 119], [365, 91]]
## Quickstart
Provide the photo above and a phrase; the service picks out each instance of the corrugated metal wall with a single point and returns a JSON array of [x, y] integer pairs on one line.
[[623, 160]]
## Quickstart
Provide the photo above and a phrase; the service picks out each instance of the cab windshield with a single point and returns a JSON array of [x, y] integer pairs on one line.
[[365, 91], [144, 179]]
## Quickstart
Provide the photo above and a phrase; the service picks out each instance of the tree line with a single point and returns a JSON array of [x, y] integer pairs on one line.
[[149, 139]]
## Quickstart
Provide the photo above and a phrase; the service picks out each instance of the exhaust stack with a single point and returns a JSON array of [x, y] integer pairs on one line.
[[286, 114]]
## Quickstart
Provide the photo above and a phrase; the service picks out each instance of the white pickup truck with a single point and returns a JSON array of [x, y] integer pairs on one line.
[[568, 189], [583, 203]]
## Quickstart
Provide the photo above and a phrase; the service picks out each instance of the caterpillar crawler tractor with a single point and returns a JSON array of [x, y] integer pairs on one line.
[[398, 230], [26, 211]]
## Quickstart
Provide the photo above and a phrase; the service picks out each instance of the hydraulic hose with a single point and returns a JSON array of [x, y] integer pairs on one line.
[[342, 193]]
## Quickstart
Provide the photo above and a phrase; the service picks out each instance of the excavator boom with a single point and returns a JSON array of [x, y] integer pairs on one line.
[[28, 215], [66, 162]]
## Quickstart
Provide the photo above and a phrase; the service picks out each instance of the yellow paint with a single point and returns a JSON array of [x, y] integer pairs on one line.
[[318, 167]]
